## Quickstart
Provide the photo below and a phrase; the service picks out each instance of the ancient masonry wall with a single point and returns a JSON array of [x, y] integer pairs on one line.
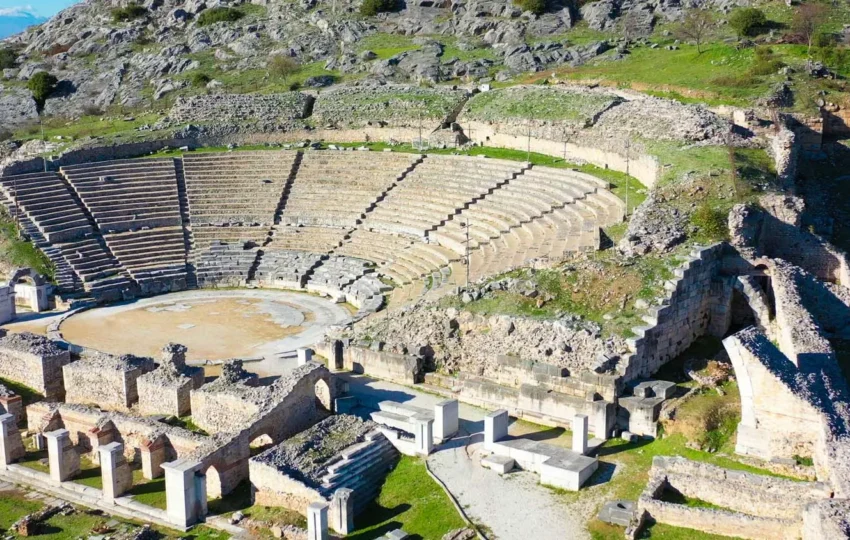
[[644, 167], [698, 304], [271, 487], [105, 381], [215, 412], [399, 368], [754, 506], [41, 371], [238, 108]]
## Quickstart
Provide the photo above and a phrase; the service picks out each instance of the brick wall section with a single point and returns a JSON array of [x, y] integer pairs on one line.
[[104, 380]]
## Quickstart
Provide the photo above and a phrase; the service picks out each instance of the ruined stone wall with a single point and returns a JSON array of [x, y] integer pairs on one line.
[[35, 362], [782, 236], [644, 167], [785, 148], [400, 368], [104, 380], [215, 412], [272, 487], [754, 506], [90, 427], [698, 299], [537, 403], [240, 108]]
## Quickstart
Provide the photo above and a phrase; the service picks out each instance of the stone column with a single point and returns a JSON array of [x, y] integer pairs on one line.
[[182, 492], [600, 419], [445, 419], [11, 444], [116, 473], [580, 433], [62, 456], [317, 521], [304, 355], [342, 511], [495, 427], [424, 435]]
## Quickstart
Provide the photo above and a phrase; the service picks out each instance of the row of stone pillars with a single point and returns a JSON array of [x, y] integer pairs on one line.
[[185, 484]]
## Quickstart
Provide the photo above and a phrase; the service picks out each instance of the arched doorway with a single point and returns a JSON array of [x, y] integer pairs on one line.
[[324, 398], [213, 483]]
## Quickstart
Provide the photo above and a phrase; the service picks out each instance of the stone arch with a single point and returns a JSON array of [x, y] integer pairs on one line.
[[34, 295]]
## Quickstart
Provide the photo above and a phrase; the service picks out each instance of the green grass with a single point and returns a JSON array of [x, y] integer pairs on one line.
[[386, 45], [409, 500], [655, 531], [21, 253], [28, 395], [86, 126], [149, 492], [536, 103], [240, 500], [186, 423], [89, 474], [252, 81]]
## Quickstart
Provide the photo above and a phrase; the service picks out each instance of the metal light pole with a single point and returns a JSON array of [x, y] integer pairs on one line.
[[467, 251], [528, 144], [420, 131], [628, 148]]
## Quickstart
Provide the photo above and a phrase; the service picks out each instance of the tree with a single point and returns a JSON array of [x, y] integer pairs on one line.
[[41, 85], [747, 22], [370, 8], [807, 22], [696, 26], [8, 58], [282, 67], [538, 7]]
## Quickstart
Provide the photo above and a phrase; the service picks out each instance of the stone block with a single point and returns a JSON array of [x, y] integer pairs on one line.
[[342, 511], [304, 355], [62, 456], [495, 427], [500, 464], [11, 444], [580, 428], [445, 420], [619, 512], [115, 471]]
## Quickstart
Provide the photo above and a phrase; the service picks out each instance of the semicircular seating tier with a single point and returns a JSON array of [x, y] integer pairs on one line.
[[341, 223]]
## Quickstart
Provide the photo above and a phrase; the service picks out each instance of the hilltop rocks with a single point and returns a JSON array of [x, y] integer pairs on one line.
[[17, 108]]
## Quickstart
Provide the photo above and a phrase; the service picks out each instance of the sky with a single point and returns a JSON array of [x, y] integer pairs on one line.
[[42, 8]]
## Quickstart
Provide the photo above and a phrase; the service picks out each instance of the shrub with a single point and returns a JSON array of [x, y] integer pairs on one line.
[[534, 6], [748, 22], [8, 58], [200, 79], [823, 39], [282, 66], [710, 223], [128, 13], [42, 84], [765, 62], [370, 8], [219, 14]]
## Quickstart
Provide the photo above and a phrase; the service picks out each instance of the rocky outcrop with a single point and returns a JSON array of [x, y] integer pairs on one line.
[[654, 227]]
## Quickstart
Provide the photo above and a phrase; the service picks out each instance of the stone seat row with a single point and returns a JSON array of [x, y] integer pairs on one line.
[[316, 239], [96, 268], [224, 264], [159, 250], [417, 261], [47, 201], [286, 268], [128, 194]]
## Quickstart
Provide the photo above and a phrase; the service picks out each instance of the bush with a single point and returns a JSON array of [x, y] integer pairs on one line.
[[765, 62], [219, 14], [200, 79], [128, 13], [370, 8], [42, 84], [748, 22], [281, 66], [8, 58], [823, 39], [710, 223], [534, 6]]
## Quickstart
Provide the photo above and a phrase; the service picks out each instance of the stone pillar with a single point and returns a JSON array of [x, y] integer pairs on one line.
[[116, 473], [13, 405], [62, 456], [445, 420], [317, 521], [11, 444], [304, 355], [580, 434], [424, 435], [153, 456], [600, 419], [495, 427], [342, 511], [182, 493]]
